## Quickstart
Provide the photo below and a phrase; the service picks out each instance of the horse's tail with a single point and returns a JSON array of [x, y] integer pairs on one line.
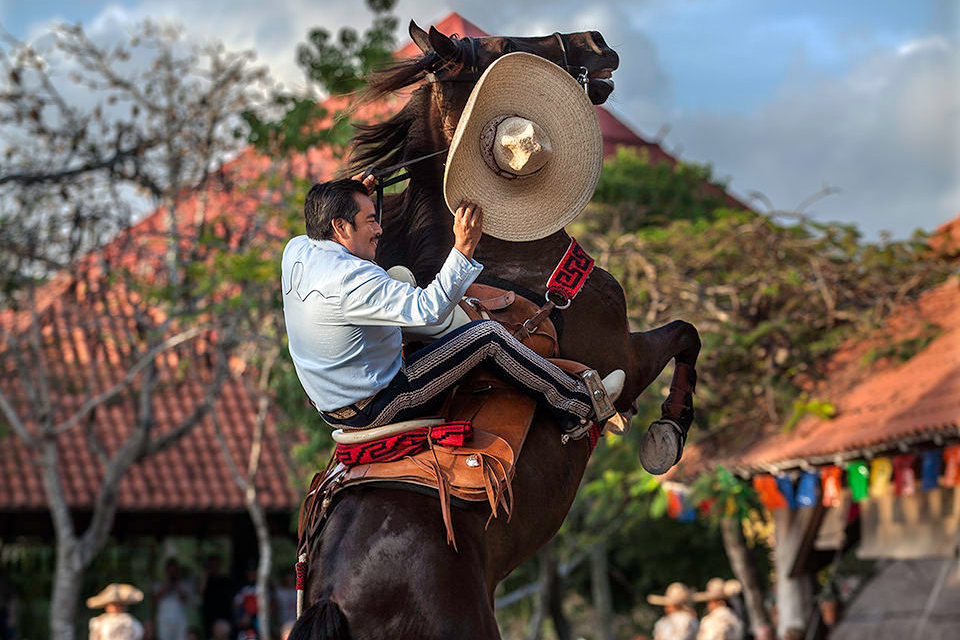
[[321, 621]]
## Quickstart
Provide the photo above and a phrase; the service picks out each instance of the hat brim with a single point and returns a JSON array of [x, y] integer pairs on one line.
[[115, 594], [662, 601], [538, 205]]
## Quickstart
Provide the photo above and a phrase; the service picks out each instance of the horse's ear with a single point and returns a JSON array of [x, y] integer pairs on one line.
[[443, 45], [420, 37]]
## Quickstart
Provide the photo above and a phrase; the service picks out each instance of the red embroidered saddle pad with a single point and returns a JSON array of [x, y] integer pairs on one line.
[[391, 448], [481, 470]]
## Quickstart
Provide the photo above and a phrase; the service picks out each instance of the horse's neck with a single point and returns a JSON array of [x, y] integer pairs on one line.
[[528, 264]]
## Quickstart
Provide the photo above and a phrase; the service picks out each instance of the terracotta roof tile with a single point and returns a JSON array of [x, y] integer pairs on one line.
[[887, 402]]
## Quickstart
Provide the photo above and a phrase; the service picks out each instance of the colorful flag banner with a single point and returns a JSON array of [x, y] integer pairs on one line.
[[674, 503], [881, 471], [766, 487], [951, 472], [808, 489], [832, 492], [930, 470], [687, 512], [706, 506], [904, 477], [785, 485], [858, 477]]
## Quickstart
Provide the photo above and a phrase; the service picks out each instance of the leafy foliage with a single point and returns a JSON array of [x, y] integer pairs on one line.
[[333, 66], [771, 296]]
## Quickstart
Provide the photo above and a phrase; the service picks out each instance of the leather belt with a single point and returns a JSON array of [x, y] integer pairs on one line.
[[351, 410]]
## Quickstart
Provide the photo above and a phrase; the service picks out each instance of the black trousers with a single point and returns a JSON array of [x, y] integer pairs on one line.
[[419, 386]]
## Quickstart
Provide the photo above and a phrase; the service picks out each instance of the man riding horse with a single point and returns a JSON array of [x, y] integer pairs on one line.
[[344, 313], [525, 151]]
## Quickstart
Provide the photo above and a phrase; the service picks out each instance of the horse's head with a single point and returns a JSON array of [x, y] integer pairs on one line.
[[465, 58]]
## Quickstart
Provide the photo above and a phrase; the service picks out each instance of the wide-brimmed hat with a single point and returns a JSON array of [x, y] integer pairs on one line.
[[677, 594], [718, 589], [115, 593], [527, 149]]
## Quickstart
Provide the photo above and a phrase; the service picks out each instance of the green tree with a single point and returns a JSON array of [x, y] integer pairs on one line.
[[333, 66], [772, 296]]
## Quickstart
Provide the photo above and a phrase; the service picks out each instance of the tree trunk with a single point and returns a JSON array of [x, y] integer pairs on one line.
[[264, 563], [794, 593], [745, 569], [67, 579], [600, 586], [553, 593]]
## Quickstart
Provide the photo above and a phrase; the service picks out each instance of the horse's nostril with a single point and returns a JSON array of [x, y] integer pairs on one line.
[[614, 58]]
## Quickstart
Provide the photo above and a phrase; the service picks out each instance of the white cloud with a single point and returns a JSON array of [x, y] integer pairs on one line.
[[887, 133], [883, 125]]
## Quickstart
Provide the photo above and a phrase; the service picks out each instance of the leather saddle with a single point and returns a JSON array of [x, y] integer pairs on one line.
[[483, 469]]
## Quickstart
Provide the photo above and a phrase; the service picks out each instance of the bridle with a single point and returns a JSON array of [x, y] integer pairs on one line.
[[468, 49]]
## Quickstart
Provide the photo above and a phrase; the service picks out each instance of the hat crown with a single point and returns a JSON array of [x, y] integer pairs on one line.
[[521, 146]]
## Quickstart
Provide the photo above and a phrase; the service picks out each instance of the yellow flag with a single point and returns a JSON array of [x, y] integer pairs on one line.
[[881, 472]]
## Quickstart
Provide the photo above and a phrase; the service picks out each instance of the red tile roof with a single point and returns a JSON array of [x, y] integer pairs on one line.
[[87, 330], [882, 404]]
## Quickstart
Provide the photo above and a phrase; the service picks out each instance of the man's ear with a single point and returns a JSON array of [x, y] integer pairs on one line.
[[420, 37], [339, 226]]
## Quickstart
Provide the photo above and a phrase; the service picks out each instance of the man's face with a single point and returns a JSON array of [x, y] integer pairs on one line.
[[362, 237]]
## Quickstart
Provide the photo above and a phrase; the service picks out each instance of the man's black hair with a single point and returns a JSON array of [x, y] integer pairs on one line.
[[328, 201]]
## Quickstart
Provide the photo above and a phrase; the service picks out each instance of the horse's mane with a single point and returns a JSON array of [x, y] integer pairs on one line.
[[384, 142]]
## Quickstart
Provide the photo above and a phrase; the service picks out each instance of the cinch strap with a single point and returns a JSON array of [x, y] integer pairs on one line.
[[572, 272], [450, 434]]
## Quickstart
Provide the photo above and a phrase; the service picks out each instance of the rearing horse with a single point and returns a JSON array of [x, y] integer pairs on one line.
[[381, 568]]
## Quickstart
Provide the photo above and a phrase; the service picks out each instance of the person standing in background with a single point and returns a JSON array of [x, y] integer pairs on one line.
[[173, 597], [115, 623], [720, 623], [680, 619]]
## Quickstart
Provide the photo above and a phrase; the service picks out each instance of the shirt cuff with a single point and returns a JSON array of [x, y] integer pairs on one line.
[[465, 262]]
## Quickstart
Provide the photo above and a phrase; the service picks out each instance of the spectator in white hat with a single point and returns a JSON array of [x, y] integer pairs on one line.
[[115, 623], [680, 621], [720, 623]]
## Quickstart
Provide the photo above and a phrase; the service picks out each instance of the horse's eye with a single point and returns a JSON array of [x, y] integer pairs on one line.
[[509, 47], [598, 39]]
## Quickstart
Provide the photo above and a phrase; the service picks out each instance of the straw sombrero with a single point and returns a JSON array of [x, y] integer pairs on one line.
[[115, 594], [527, 149], [677, 594], [718, 589]]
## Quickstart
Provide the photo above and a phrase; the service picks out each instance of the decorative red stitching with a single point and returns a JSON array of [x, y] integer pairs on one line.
[[571, 273]]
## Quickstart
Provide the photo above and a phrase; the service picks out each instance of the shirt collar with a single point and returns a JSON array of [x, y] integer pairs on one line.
[[329, 245]]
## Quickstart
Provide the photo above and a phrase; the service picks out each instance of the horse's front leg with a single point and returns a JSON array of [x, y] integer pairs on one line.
[[662, 445]]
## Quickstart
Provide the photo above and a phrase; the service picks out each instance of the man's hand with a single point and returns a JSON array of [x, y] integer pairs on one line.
[[467, 228], [369, 182]]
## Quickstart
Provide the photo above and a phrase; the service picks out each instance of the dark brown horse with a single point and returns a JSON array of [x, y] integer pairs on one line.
[[381, 567]]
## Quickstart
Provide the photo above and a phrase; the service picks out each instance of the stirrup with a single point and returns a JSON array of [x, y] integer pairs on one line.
[[604, 392]]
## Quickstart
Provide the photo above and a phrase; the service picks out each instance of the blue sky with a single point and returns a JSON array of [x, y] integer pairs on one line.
[[781, 97]]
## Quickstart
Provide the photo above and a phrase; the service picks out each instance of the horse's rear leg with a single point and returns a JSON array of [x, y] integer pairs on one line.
[[662, 445]]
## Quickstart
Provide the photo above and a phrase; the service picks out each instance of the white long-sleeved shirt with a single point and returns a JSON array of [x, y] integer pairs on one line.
[[343, 316]]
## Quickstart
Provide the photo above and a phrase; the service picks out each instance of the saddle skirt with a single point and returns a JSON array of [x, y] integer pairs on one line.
[[483, 469]]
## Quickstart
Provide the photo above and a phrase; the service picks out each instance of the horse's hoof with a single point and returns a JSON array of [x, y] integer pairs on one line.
[[661, 446]]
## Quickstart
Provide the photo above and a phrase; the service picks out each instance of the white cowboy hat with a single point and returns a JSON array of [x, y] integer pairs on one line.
[[527, 149], [677, 594], [115, 594], [718, 589]]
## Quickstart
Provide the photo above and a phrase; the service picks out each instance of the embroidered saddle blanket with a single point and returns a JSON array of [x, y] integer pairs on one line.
[[482, 468]]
